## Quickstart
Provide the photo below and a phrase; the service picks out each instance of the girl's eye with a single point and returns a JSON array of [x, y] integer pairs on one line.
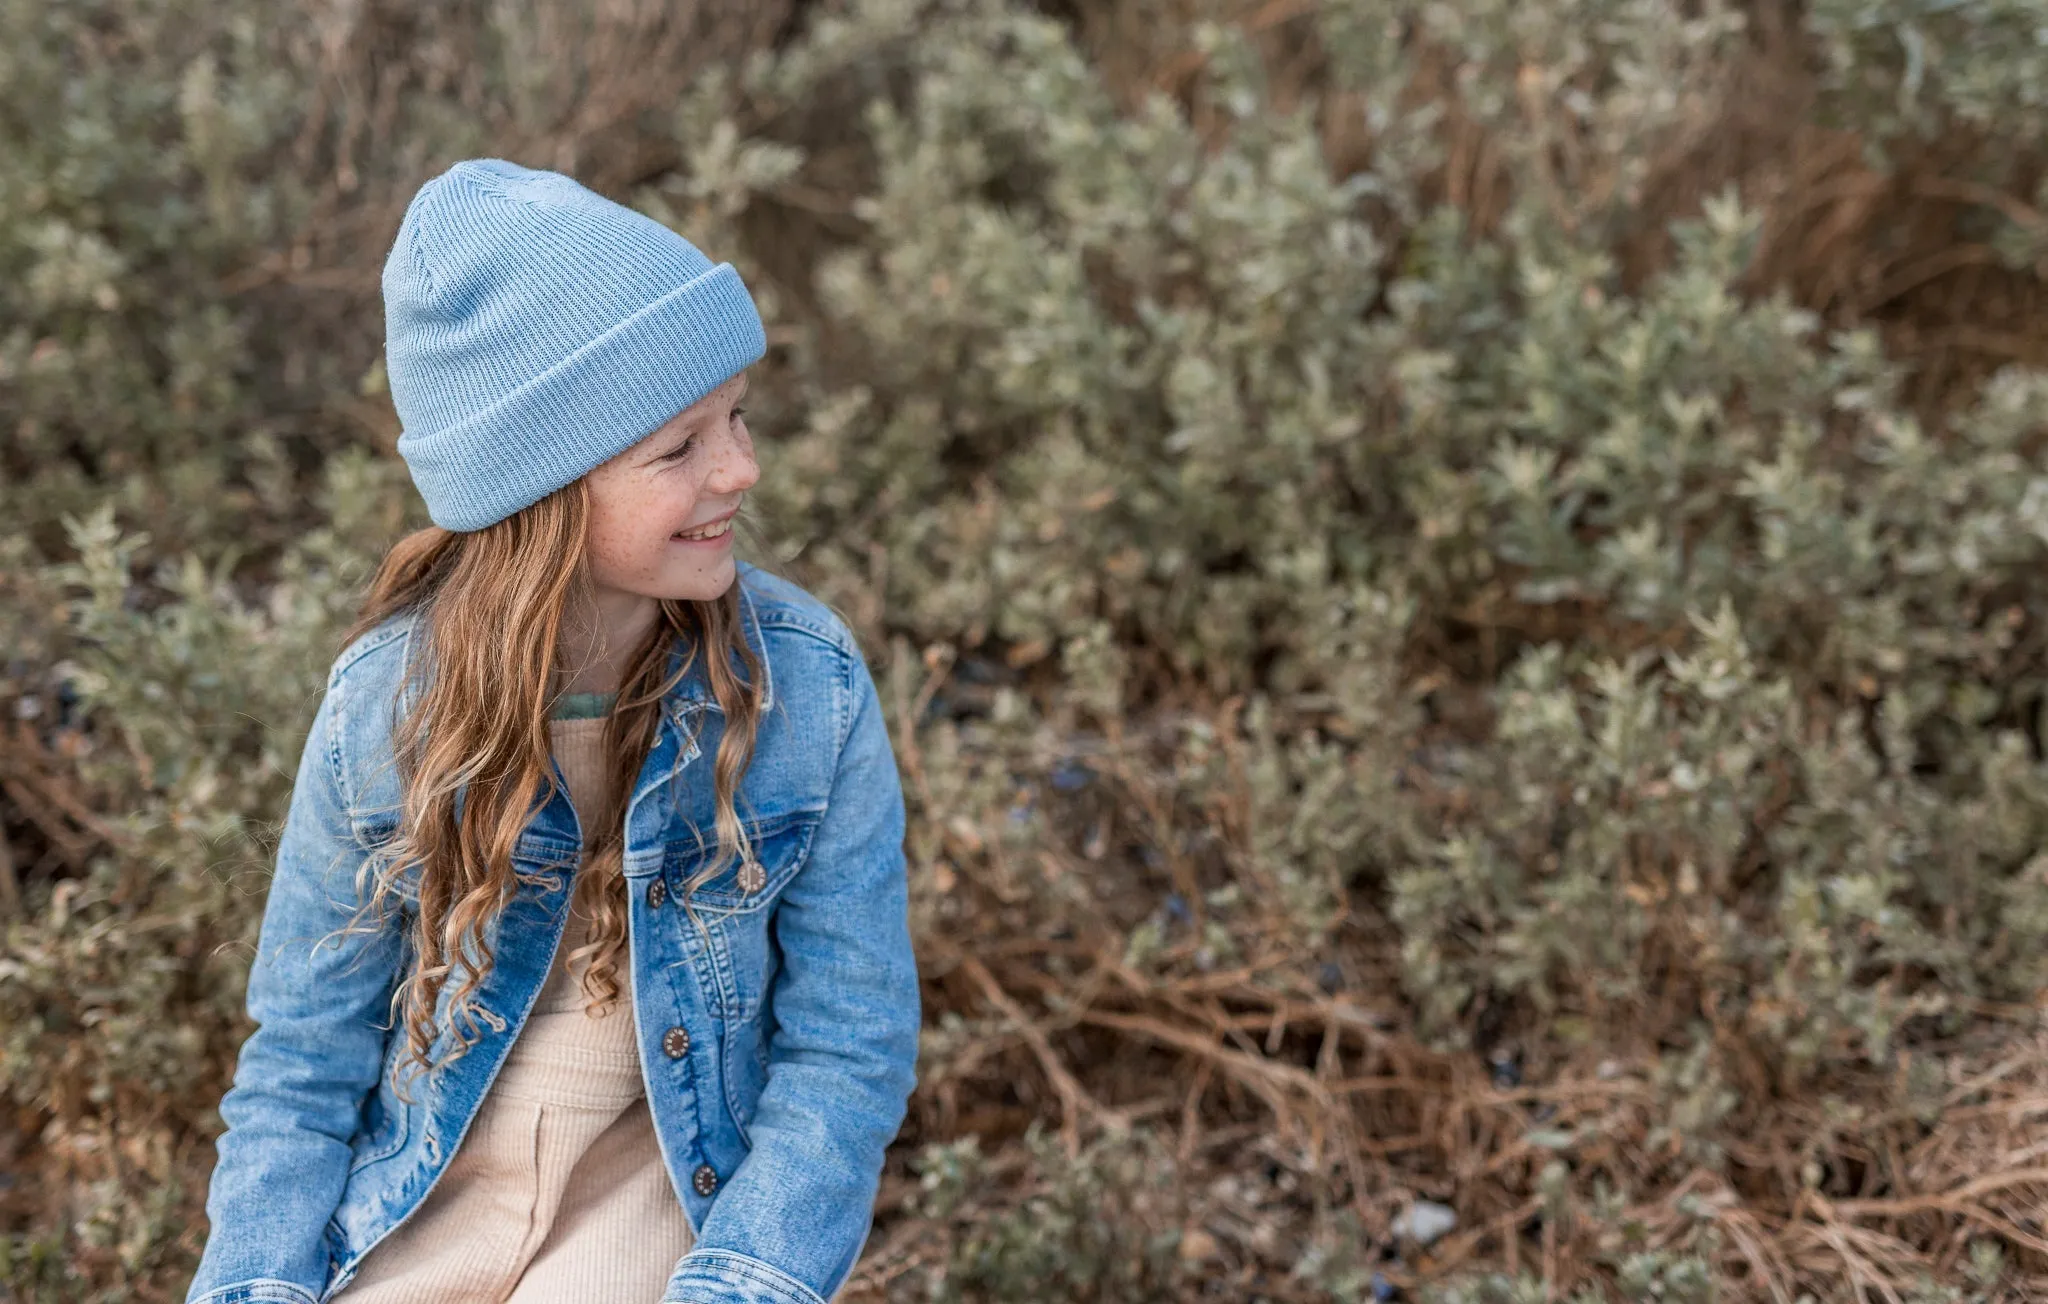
[[682, 450]]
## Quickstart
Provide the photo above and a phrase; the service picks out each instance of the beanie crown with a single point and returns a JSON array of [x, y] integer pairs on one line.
[[535, 329]]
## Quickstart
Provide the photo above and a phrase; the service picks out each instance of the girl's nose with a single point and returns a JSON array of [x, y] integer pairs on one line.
[[736, 470]]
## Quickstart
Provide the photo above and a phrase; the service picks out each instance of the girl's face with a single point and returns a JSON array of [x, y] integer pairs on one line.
[[682, 480]]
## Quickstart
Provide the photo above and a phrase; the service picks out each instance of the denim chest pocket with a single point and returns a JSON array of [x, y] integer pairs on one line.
[[737, 961], [780, 845]]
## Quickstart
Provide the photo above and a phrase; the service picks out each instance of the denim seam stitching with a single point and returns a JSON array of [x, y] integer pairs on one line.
[[369, 643], [833, 633], [259, 1288], [747, 1266]]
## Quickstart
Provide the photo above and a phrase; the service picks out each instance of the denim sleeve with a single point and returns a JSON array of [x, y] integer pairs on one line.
[[788, 1225], [316, 1051]]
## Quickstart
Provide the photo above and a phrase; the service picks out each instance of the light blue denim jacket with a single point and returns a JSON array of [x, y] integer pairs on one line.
[[779, 1055]]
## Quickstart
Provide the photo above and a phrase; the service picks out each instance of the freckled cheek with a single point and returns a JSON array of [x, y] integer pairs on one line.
[[628, 541], [608, 558]]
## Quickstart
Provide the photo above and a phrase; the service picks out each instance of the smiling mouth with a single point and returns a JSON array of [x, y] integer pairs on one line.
[[705, 535]]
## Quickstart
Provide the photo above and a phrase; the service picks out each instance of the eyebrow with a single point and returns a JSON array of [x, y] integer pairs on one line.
[[745, 385]]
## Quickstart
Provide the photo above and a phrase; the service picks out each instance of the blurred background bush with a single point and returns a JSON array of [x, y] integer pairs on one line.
[[1460, 587]]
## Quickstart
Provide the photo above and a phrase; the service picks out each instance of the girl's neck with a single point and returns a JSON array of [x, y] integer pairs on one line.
[[600, 633]]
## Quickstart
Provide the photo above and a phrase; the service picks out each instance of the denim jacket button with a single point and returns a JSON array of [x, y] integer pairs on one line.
[[676, 1042], [657, 892], [705, 1179]]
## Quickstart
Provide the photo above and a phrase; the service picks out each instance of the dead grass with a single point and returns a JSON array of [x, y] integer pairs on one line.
[[1865, 1179]]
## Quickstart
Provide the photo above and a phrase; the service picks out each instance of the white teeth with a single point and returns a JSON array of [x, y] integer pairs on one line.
[[711, 533]]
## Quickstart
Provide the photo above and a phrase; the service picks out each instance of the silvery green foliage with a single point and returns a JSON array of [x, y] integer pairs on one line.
[[125, 203], [1783, 735], [1087, 1228], [1193, 395], [1934, 74], [209, 693], [1916, 67], [1676, 1278]]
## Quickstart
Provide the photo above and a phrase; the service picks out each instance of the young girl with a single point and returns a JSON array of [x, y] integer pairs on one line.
[[585, 973]]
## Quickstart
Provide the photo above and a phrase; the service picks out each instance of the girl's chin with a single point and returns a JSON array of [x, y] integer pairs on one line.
[[676, 579], [702, 582]]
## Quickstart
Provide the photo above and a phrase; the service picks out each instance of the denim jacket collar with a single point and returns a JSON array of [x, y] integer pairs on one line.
[[682, 720], [552, 833], [694, 688]]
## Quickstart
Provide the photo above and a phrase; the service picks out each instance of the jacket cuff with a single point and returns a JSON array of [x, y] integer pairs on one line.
[[270, 1290], [724, 1277]]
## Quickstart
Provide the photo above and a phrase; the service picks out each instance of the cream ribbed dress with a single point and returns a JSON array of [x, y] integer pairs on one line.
[[557, 1193]]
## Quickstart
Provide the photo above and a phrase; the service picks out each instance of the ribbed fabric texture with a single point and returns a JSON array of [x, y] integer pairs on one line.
[[535, 329], [557, 1195]]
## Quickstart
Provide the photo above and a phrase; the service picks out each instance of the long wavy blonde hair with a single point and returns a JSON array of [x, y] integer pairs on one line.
[[483, 674]]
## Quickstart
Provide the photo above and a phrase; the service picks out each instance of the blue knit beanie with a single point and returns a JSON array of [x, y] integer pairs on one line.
[[534, 329]]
